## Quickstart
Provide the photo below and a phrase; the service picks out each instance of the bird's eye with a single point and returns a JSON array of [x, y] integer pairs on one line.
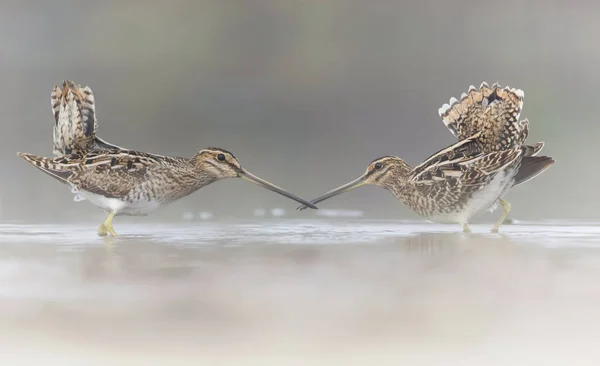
[[378, 166], [221, 157]]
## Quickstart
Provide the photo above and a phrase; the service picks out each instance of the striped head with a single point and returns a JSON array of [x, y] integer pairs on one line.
[[389, 172], [386, 171], [219, 163]]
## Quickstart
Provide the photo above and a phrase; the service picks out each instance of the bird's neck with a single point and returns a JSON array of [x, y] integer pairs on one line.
[[397, 181], [188, 180], [203, 176]]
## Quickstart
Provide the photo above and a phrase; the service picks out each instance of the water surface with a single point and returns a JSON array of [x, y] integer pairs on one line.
[[346, 291]]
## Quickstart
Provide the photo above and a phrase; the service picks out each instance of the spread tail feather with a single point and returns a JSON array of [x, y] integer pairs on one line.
[[494, 111], [74, 111], [75, 122], [531, 167]]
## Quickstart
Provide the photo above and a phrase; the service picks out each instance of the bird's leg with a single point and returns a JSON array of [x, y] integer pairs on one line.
[[102, 230], [106, 226], [466, 228], [506, 206]]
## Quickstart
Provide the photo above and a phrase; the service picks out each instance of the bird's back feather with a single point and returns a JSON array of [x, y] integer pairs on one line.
[[108, 173]]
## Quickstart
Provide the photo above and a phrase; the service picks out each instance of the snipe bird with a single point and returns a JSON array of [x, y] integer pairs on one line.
[[125, 182], [75, 122], [472, 176]]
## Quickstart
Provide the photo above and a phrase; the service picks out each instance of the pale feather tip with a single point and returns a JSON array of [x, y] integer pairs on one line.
[[443, 109], [519, 93]]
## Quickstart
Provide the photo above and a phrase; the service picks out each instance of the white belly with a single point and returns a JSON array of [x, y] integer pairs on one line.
[[140, 208], [484, 200]]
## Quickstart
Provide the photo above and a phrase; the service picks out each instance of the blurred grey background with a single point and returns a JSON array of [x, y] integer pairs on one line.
[[305, 93]]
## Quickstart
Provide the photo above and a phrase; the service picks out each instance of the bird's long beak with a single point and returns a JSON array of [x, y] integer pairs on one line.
[[360, 181], [263, 183]]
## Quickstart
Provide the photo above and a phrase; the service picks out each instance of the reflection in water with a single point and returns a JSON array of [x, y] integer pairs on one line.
[[433, 243], [322, 285]]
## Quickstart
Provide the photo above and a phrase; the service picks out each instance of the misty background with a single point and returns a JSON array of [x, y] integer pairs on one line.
[[304, 93]]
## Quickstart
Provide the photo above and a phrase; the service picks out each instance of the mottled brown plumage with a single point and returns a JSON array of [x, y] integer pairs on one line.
[[464, 180], [125, 182], [75, 121]]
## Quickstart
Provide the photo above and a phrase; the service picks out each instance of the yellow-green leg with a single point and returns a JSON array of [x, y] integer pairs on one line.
[[466, 228], [106, 226], [506, 206]]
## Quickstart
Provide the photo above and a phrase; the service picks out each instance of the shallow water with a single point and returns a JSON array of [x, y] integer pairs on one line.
[[301, 292]]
